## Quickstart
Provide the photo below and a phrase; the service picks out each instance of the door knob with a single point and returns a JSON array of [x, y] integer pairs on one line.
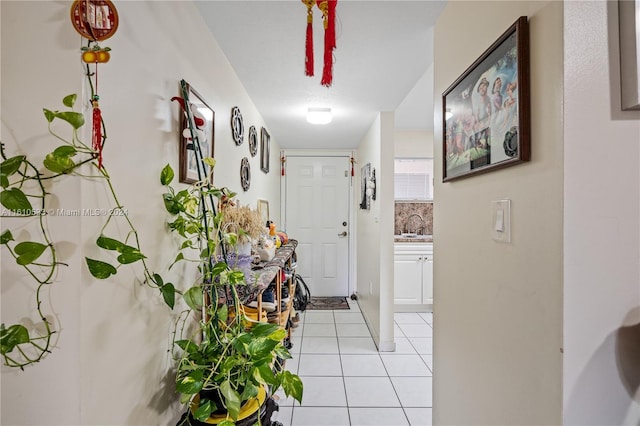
[[342, 234]]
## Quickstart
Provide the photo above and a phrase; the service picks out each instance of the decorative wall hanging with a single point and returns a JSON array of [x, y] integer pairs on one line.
[[204, 120], [237, 126], [365, 192], [245, 174], [95, 20], [328, 8], [486, 110], [253, 141], [629, 21], [265, 141]]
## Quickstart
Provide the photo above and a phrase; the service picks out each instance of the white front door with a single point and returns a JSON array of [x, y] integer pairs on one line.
[[317, 215]]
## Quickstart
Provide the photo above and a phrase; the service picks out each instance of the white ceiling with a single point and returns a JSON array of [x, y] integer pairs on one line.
[[383, 62]]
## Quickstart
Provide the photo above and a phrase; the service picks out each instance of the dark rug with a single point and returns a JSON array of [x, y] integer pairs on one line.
[[327, 303]]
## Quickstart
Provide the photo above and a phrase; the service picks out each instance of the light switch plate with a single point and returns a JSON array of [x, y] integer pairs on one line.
[[501, 221]]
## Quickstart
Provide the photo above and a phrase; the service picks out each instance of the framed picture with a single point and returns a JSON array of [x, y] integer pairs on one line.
[[629, 21], [204, 118], [486, 117], [264, 150], [263, 211]]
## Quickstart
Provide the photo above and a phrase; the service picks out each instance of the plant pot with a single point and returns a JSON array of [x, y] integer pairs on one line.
[[249, 412]]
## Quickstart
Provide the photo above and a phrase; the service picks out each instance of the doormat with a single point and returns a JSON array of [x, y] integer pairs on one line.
[[327, 303]]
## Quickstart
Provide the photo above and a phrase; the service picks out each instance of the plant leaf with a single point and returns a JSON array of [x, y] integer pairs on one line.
[[15, 200], [12, 337], [169, 294], [231, 399], [49, 115], [158, 280], [187, 346], [58, 164], [100, 270], [264, 374], [11, 165], [109, 243], [227, 422], [130, 255], [204, 410], [4, 180], [74, 118], [6, 237], [194, 298], [191, 384], [179, 257], [263, 329], [65, 151], [69, 100], [171, 204], [166, 176], [292, 385], [28, 251]]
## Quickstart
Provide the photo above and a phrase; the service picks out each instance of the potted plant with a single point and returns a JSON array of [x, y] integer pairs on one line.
[[228, 358]]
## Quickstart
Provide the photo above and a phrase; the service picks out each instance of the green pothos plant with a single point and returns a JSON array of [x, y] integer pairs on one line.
[[229, 357], [26, 195]]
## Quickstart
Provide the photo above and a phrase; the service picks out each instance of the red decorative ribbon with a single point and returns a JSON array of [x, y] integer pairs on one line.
[[96, 134], [328, 8], [308, 58]]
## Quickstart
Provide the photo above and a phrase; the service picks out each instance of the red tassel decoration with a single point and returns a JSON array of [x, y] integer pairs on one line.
[[308, 58], [96, 134], [328, 8], [283, 160]]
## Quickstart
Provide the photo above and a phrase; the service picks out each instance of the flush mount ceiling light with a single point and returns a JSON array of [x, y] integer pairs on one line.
[[319, 115]]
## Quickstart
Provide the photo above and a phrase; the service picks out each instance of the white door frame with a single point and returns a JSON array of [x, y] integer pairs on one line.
[[351, 228]]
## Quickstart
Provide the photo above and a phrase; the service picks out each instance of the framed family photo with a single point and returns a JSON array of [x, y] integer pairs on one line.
[[204, 122], [486, 110], [265, 148]]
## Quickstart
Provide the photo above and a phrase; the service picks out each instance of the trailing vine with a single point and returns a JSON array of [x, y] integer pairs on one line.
[[23, 184]]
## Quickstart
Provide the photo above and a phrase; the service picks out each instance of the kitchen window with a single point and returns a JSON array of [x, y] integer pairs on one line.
[[413, 179]]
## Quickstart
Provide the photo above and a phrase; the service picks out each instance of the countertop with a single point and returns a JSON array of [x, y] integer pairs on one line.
[[416, 240]]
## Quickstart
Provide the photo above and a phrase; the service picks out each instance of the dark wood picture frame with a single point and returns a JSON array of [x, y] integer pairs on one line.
[[188, 165], [486, 113], [265, 142]]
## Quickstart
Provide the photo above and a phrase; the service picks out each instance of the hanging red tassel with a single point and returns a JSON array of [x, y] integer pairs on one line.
[[328, 8], [96, 134], [308, 58], [353, 162], [283, 160]]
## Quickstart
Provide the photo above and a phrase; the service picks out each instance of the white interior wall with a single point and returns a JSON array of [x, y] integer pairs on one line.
[[413, 143], [498, 307], [110, 364], [601, 232], [374, 233]]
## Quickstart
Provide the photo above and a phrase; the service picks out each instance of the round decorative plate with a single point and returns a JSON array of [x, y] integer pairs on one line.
[[237, 126], [253, 141], [245, 174], [96, 20]]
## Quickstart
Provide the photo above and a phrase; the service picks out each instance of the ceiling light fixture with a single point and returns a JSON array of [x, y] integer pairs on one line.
[[319, 115]]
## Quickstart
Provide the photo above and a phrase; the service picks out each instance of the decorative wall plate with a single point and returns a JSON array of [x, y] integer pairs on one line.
[[245, 174], [237, 126], [96, 20], [253, 141]]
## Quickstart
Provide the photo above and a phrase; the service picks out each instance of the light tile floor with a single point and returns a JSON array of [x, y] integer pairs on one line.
[[348, 382]]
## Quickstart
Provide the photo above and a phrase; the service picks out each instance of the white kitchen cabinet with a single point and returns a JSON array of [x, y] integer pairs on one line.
[[413, 274]]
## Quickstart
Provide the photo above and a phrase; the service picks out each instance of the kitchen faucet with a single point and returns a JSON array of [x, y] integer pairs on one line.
[[415, 229]]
